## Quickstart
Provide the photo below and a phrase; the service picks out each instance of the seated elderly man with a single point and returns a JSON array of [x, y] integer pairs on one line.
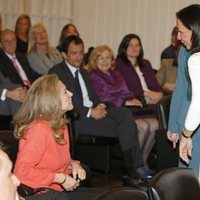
[[11, 96]]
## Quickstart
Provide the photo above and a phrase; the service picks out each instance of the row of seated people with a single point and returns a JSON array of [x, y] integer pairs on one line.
[[94, 116], [93, 113], [143, 125]]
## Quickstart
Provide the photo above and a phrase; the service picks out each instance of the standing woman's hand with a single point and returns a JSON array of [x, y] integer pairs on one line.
[[173, 137], [185, 148]]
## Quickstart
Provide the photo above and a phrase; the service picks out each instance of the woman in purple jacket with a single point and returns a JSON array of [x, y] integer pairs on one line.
[[111, 88], [139, 77]]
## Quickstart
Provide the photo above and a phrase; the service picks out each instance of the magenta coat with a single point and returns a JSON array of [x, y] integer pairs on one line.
[[110, 88]]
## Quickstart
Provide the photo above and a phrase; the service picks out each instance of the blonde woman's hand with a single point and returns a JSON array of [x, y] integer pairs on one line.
[[152, 97], [78, 172], [70, 183], [133, 102]]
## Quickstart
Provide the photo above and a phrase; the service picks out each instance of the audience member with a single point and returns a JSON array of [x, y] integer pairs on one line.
[[184, 109], [8, 181], [42, 56], [14, 65], [95, 118], [86, 57], [166, 75], [22, 27], [111, 89], [170, 51], [140, 79], [68, 29], [44, 160], [12, 95]]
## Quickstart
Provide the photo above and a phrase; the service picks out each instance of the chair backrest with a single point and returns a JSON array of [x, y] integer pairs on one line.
[[5, 122], [174, 184], [10, 143], [122, 193], [163, 111], [76, 138]]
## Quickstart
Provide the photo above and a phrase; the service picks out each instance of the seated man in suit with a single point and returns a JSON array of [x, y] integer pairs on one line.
[[95, 117], [11, 96], [14, 65]]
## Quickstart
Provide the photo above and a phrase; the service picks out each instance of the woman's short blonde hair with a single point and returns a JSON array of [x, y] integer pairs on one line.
[[34, 28], [42, 102], [95, 54]]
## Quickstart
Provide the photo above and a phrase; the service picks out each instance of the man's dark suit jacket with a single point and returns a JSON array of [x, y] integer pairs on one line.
[[65, 75], [117, 123], [8, 70], [8, 106]]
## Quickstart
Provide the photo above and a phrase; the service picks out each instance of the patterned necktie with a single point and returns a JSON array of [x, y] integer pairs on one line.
[[78, 96], [25, 81]]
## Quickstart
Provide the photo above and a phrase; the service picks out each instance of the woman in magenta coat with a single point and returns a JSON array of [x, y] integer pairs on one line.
[[110, 87]]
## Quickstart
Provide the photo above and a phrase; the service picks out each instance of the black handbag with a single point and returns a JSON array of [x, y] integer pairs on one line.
[[25, 190], [144, 110]]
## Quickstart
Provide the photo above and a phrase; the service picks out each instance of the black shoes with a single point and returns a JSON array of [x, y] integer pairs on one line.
[[134, 182]]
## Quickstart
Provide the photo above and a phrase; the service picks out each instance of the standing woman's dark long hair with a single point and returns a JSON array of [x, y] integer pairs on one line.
[[190, 18], [122, 50]]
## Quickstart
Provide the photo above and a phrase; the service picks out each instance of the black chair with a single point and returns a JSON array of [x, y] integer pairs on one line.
[[174, 184], [166, 156], [11, 144], [5, 122], [94, 151], [122, 193]]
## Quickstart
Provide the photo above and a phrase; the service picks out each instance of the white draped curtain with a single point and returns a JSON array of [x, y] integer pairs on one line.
[[107, 21], [103, 21], [54, 14]]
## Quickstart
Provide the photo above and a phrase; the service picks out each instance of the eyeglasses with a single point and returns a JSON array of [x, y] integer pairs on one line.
[[102, 59], [8, 41]]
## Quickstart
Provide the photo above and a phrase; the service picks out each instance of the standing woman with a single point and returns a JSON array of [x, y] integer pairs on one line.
[[42, 56], [22, 27], [185, 106], [140, 79]]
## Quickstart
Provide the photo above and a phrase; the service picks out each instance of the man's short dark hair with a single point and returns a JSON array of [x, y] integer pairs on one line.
[[68, 40]]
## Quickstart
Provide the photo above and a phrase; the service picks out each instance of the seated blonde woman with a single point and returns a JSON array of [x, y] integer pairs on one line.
[[42, 56], [111, 88], [43, 161]]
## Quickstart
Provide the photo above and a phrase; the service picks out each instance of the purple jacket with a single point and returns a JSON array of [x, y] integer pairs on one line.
[[132, 79], [110, 88]]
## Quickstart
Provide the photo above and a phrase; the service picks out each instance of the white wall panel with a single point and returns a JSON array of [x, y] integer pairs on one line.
[[103, 21], [107, 21], [53, 13]]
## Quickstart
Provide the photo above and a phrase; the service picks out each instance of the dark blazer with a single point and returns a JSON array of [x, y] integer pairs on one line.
[[65, 75], [9, 106], [8, 70], [117, 123]]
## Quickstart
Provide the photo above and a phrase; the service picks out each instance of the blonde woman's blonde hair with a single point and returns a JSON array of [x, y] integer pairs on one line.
[[95, 55], [34, 28], [42, 102]]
